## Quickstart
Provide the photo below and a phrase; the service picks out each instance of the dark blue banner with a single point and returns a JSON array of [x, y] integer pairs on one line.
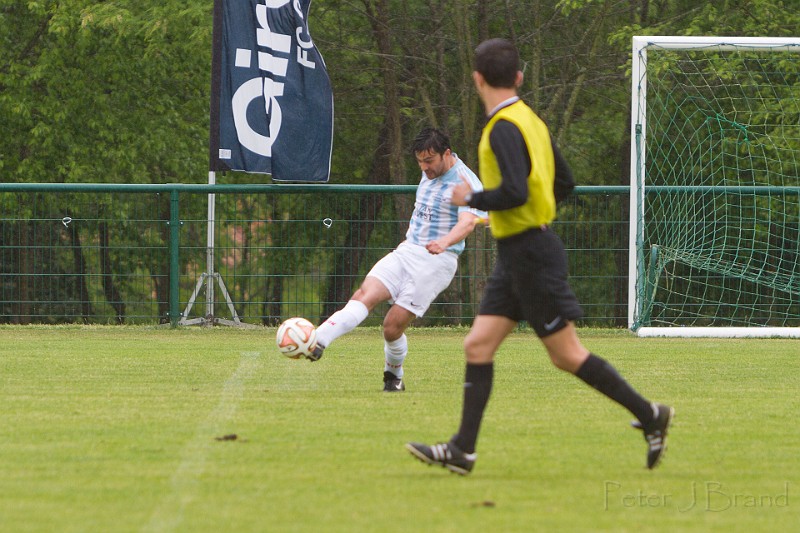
[[271, 101]]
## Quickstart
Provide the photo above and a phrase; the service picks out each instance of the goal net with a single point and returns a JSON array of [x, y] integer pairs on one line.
[[715, 187]]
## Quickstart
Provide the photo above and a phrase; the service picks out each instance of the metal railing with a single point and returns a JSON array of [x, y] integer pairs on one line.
[[103, 253]]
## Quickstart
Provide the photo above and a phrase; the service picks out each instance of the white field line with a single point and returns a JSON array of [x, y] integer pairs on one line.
[[168, 515]]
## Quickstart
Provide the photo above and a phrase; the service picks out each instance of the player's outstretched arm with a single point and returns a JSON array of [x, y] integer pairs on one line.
[[466, 223]]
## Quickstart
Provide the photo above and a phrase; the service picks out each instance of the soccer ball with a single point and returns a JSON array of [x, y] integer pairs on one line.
[[296, 338]]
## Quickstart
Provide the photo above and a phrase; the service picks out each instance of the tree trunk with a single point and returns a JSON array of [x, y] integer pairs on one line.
[[273, 285], [159, 269], [379, 18], [81, 276], [272, 304], [350, 256], [470, 111], [110, 289], [23, 262]]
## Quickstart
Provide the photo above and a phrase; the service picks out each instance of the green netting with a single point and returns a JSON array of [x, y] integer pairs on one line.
[[116, 253], [720, 227]]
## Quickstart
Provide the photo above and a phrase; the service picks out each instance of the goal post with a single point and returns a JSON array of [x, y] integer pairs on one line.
[[714, 245]]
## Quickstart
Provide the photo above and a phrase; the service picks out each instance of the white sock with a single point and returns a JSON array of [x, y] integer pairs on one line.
[[395, 352], [342, 321]]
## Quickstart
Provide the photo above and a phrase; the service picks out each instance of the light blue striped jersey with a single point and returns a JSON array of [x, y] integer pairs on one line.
[[434, 216]]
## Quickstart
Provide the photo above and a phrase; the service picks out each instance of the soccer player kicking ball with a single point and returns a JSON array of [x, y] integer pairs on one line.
[[422, 266], [519, 166]]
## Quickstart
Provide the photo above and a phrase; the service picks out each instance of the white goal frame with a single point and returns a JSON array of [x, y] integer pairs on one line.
[[638, 158]]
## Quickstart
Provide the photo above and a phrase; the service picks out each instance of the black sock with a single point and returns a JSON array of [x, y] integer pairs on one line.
[[477, 388], [598, 373]]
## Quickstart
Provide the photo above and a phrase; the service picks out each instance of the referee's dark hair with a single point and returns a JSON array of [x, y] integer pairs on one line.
[[497, 60], [430, 139]]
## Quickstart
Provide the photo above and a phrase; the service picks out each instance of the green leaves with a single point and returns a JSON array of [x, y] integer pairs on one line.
[[119, 91], [101, 91]]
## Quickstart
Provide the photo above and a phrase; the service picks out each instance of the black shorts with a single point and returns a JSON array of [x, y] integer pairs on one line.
[[529, 282]]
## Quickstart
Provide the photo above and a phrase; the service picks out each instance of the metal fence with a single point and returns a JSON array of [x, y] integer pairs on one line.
[[92, 253]]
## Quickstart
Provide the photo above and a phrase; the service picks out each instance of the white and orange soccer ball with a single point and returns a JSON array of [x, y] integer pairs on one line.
[[296, 338]]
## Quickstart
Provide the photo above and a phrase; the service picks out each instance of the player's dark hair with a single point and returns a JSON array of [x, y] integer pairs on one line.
[[497, 60], [430, 139]]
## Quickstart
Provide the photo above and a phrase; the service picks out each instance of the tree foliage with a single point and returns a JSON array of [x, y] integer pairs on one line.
[[104, 92], [96, 91]]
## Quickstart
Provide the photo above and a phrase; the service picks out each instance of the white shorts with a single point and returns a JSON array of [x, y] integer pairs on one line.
[[414, 276]]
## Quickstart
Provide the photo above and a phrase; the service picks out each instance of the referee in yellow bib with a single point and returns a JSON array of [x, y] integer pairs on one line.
[[523, 176]]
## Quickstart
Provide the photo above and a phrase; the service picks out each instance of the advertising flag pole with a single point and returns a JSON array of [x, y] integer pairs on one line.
[[212, 198], [210, 275]]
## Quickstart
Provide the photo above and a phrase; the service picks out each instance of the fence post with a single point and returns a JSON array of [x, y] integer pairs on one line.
[[174, 256]]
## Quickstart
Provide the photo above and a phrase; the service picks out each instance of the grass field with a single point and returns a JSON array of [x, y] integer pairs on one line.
[[115, 429]]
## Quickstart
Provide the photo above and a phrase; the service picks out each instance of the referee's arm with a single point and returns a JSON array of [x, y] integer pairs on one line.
[[512, 157]]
